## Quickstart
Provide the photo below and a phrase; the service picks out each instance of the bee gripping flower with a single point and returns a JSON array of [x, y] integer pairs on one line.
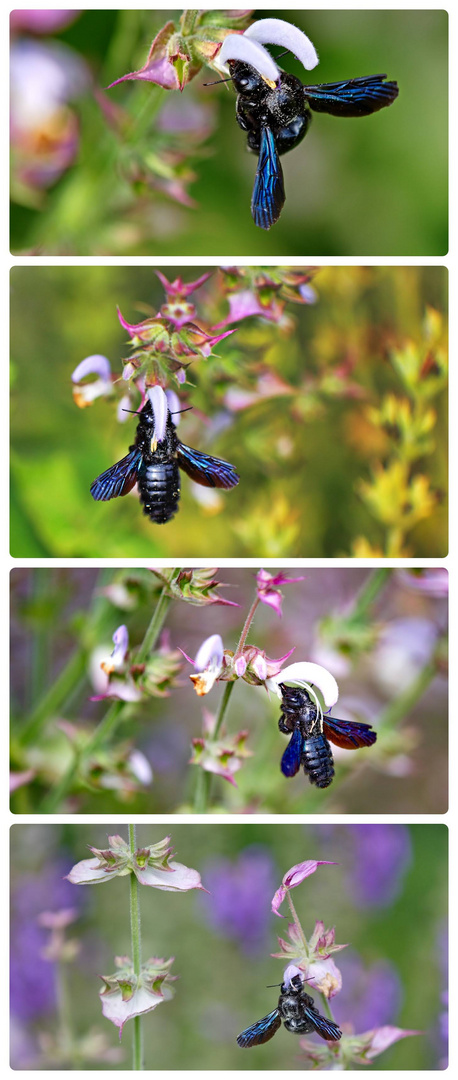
[[305, 673], [249, 47]]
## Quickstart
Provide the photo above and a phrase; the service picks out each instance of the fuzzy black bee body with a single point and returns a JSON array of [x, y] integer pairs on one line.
[[277, 116], [159, 475], [310, 732], [318, 761], [155, 466], [299, 1014]]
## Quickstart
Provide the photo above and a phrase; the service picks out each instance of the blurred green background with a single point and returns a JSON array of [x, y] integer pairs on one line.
[[388, 897], [60, 613], [366, 186], [61, 314]]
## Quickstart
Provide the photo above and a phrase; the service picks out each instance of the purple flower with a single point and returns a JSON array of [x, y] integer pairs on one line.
[[45, 77], [163, 63], [430, 582], [32, 977], [42, 21], [381, 856], [238, 904], [268, 588], [295, 876], [404, 647]]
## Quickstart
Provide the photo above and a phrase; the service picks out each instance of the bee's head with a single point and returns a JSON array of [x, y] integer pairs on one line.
[[246, 79]]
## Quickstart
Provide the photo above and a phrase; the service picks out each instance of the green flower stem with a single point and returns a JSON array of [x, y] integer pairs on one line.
[[154, 627], [135, 934], [369, 592], [246, 627], [52, 701], [64, 1012], [63, 688], [204, 779], [111, 720]]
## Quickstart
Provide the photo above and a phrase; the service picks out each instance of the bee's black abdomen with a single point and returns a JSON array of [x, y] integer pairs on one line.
[[159, 487], [318, 761]]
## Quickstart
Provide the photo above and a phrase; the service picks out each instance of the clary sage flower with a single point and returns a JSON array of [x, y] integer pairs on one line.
[[151, 865]]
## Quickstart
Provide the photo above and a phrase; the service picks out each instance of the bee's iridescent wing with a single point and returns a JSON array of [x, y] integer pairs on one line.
[[348, 734], [354, 97], [324, 1027], [261, 1031], [268, 192], [291, 760], [206, 470], [119, 479]]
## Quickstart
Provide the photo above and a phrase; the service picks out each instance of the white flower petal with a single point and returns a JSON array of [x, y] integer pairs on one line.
[[304, 672], [88, 872], [178, 878], [239, 47], [210, 654], [93, 365], [173, 402], [280, 32], [160, 407]]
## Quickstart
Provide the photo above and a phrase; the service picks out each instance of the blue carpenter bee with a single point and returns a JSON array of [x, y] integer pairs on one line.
[[277, 115], [154, 465], [297, 1011], [310, 731]]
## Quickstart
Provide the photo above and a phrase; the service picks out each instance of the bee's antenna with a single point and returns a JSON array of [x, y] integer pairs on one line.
[[217, 81], [134, 411], [271, 985], [280, 54], [178, 411]]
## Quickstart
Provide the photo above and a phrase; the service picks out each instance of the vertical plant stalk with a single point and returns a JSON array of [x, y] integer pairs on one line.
[[112, 717], [71, 675], [246, 627], [64, 1013], [136, 944], [369, 592], [204, 779]]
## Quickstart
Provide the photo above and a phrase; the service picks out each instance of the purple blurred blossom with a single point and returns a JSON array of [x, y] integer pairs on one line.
[[240, 890], [431, 582], [381, 856], [371, 996], [32, 977], [186, 117], [42, 20], [45, 77], [404, 646]]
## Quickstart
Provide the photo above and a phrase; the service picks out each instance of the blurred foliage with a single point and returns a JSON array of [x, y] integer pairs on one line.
[[222, 985], [385, 635], [340, 442], [370, 186]]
